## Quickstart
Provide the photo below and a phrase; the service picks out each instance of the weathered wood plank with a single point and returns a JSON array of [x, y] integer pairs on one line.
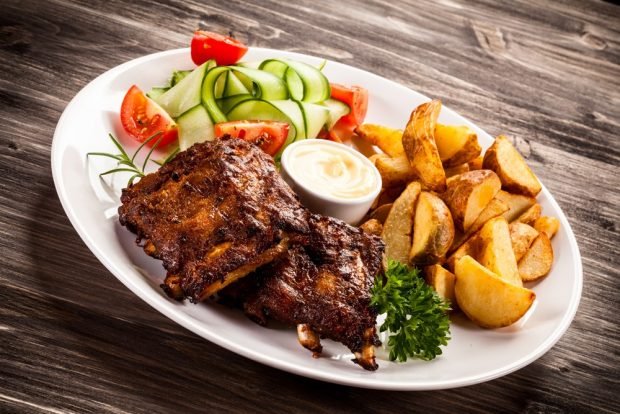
[[73, 339]]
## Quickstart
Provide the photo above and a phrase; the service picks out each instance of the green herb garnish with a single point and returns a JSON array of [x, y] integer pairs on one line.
[[416, 317], [127, 164]]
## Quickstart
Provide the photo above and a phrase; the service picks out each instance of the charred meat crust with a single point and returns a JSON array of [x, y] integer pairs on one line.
[[324, 281], [220, 211], [210, 211]]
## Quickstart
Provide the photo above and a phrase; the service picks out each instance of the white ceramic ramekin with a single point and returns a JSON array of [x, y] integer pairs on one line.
[[350, 210]]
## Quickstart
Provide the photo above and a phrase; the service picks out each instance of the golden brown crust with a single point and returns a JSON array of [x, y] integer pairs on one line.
[[511, 168], [420, 147], [433, 230]]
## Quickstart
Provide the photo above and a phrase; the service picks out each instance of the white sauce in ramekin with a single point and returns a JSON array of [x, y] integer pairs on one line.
[[331, 178], [331, 170]]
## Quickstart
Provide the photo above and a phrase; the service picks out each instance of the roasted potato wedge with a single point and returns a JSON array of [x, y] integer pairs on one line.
[[496, 252], [486, 299], [517, 204], [476, 163], [394, 171], [511, 168], [530, 215], [399, 224], [389, 140], [456, 170], [468, 195], [521, 236], [538, 260], [442, 281], [456, 144], [380, 213], [420, 148], [372, 226], [547, 225], [494, 209], [433, 230]]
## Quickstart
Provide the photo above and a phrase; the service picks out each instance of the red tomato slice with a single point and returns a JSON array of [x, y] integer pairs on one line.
[[142, 118], [224, 49], [357, 99], [268, 135]]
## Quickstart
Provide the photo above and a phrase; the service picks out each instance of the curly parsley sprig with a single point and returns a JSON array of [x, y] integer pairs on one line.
[[416, 317]]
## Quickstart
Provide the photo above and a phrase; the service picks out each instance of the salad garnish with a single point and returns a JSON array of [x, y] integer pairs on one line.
[[416, 317]]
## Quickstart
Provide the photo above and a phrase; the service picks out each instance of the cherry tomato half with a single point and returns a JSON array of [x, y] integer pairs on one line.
[[142, 118], [268, 135], [357, 99], [224, 49]]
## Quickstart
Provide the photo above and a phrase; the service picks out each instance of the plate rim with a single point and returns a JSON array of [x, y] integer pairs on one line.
[[165, 307]]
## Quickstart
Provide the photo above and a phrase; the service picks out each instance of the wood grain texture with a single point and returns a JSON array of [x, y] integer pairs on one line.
[[73, 339]]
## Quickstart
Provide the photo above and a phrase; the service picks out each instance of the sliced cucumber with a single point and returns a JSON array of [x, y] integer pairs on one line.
[[265, 85], [305, 82], [156, 92], [195, 126], [275, 66], [186, 94], [295, 84], [337, 109], [234, 86], [220, 85], [293, 111], [178, 75], [268, 86], [315, 117], [226, 104]]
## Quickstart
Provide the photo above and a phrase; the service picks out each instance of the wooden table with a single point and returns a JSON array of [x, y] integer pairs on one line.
[[74, 339]]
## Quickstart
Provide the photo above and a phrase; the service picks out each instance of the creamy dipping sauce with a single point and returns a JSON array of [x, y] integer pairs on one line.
[[330, 170]]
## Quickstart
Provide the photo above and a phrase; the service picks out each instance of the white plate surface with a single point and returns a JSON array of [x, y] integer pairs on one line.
[[473, 355]]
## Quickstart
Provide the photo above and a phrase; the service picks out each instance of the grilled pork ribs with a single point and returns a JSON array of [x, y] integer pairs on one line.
[[220, 213]]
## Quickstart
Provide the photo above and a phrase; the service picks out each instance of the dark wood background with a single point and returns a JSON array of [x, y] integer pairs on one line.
[[74, 339]]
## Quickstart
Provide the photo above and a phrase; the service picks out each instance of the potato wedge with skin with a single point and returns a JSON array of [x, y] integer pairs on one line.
[[495, 208], [521, 236], [456, 170], [380, 213], [372, 226], [420, 147], [538, 260], [511, 168], [547, 225], [456, 144], [389, 140], [517, 204], [399, 224], [476, 163], [486, 299], [530, 215], [468, 195], [496, 252], [433, 230], [442, 281], [394, 171]]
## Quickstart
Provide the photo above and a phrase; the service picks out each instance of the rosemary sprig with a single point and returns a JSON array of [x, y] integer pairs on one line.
[[125, 163]]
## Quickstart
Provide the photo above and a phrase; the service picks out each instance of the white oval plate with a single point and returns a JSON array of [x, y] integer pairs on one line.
[[473, 355]]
